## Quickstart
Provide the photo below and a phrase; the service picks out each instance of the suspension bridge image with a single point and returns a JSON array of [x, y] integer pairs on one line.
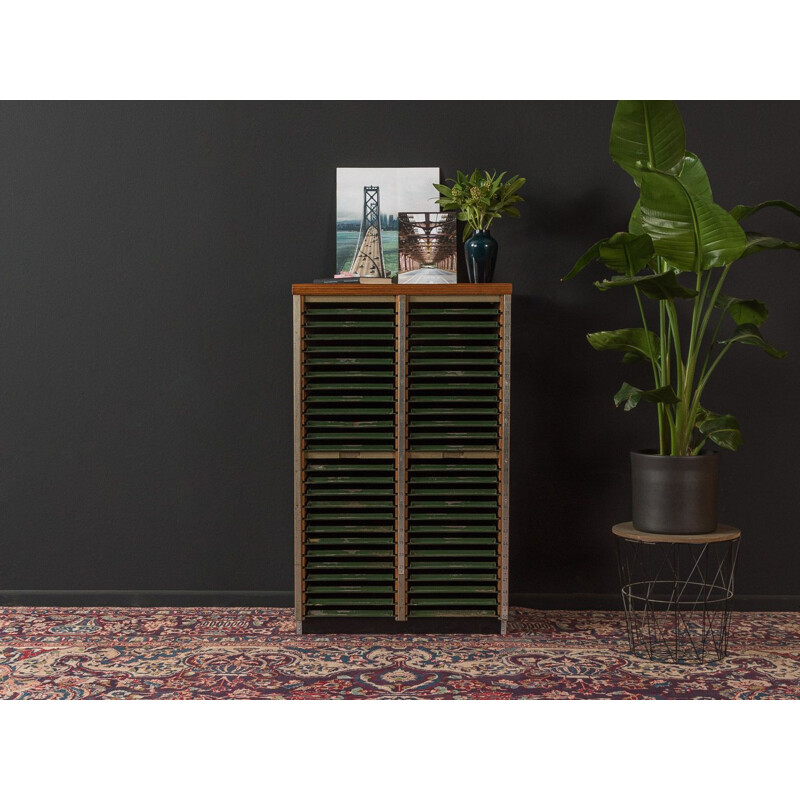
[[368, 259]]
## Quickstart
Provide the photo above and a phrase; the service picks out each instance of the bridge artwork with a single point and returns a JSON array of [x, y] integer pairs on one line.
[[427, 244], [368, 259]]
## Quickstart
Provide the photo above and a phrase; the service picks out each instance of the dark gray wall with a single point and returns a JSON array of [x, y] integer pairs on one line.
[[147, 252]]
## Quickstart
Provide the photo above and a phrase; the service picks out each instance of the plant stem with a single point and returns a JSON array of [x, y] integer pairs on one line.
[[702, 383], [687, 401], [705, 372], [656, 377], [676, 341]]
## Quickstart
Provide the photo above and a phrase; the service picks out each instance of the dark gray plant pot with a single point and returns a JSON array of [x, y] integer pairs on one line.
[[674, 494]]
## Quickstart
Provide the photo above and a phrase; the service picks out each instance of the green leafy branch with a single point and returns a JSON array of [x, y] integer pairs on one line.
[[480, 198]]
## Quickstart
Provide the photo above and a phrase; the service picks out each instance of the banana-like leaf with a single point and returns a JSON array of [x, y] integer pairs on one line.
[[590, 255], [630, 396], [632, 341], [621, 252], [658, 287], [694, 177], [740, 212], [722, 429], [756, 242], [635, 221], [632, 358], [626, 253], [647, 134], [743, 311], [690, 232], [747, 333]]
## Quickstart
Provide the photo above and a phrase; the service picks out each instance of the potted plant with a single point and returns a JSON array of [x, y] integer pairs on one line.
[[677, 252], [480, 199]]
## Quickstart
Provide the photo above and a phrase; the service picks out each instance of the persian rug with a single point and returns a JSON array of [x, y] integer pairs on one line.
[[254, 653]]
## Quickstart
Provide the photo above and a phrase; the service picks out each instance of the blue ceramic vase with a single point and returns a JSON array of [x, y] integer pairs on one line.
[[481, 253]]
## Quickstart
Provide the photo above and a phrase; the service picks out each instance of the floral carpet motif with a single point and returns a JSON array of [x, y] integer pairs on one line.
[[254, 653]]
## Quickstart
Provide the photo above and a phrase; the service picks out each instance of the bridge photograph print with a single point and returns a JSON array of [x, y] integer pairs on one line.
[[368, 204]]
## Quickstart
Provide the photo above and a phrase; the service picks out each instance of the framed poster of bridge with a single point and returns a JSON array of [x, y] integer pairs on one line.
[[368, 204], [427, 245]]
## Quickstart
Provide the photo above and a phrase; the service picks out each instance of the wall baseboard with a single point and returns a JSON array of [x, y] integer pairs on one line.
[[613, 602], [144, 597], [184, 599]]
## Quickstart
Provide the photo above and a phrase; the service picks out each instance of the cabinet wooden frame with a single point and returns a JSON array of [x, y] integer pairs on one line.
[[453, 303]]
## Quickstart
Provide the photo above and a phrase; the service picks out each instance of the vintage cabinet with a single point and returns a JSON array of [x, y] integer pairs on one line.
[[401, 433]]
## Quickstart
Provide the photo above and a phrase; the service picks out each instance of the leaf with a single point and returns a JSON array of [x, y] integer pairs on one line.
[[658, 287], [694, 178], [631, 341], [747, 333], [647, 134], [690, 232], [740, 212], [635, 221], [631, 396], [756, 242], [743, 311], [626, 253], [722, 429], [631, 358], [590, 255]]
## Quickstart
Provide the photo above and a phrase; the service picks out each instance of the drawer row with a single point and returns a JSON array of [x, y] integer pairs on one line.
[[351, 548], [451, 393]]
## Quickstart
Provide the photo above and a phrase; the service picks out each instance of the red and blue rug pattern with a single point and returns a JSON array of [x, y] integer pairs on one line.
[[254, 653]]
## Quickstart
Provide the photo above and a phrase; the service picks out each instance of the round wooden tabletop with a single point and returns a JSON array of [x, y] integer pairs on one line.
[[723, 533]]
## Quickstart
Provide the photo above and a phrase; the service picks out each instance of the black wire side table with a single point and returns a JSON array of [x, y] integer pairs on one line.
[[677, 591]]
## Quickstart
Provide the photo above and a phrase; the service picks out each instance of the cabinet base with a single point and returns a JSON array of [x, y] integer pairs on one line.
[[411, 626]]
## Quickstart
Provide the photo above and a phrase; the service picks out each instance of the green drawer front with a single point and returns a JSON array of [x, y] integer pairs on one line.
[[453, 538], [349, 538], [454, 376], [349, 377]]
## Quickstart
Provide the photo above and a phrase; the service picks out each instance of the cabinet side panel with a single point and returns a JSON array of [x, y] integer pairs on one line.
[[401, 458], [505, 461], [298, 461]]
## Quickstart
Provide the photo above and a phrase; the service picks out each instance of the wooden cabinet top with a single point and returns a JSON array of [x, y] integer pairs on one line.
[[445, 289]]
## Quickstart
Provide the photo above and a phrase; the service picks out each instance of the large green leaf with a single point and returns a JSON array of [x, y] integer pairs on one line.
[[635, 221], [690, 232], [658, 287], [740, 212], [590, 255], [632, 341], [743, 311], [756, 242], [626, 253], [722, 429], [647, 134], [630, 396], [694, 178], [621, 252], [747, 333]]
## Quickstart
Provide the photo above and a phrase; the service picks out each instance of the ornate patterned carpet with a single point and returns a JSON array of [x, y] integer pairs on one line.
[[228, 653]]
